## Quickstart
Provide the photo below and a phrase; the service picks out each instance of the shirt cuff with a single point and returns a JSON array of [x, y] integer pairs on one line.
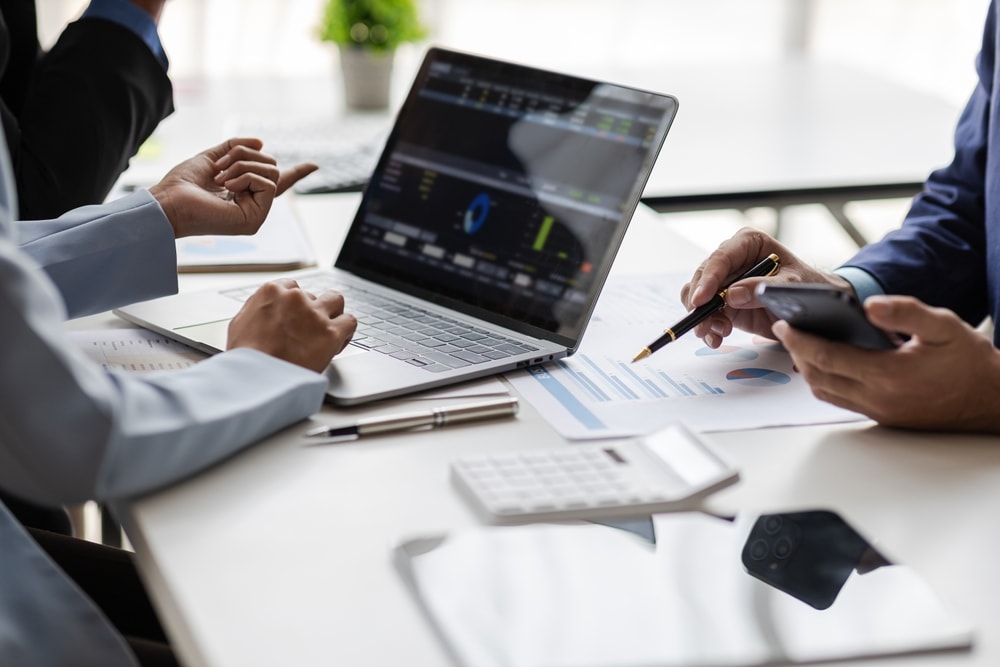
[[864, 283], [129, 16]]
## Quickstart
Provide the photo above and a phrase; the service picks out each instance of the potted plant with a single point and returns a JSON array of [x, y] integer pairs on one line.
[[367, 33]]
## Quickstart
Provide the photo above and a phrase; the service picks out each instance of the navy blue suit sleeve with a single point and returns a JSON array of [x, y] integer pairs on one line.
[[91, 102], [939, 253]]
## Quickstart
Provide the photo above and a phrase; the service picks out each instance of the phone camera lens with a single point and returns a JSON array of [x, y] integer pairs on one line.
[[783, 548], [772, 525], [758, 549]]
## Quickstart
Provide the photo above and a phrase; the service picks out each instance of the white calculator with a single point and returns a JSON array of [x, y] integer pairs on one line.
[[661, 471]]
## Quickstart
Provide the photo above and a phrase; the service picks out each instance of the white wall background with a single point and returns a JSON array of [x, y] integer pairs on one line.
[[927, 44]]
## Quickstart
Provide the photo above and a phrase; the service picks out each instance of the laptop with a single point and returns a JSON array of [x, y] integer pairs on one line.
[[484, 235]]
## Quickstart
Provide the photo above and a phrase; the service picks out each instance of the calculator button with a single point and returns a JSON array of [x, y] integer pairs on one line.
[[584, 477], [578, 478], [543, 506]]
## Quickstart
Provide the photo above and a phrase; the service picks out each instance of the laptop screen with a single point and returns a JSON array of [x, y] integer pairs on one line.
[[504, 191]]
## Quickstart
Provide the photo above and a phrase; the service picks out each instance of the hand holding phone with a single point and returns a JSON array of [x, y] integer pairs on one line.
[[826, 311]]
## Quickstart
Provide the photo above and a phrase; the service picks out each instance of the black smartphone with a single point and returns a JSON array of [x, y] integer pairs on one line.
[[825, 311], [808, 555]]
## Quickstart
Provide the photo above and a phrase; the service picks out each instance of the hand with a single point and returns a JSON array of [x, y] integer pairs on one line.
[[743, 310], [224, 190], [291, 324], [945, 377]]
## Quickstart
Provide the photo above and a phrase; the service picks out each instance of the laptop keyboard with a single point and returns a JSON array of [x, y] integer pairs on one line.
[[419, 337], [345, 149]]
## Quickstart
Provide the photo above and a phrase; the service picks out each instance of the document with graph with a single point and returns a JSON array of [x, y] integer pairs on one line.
[[599, 393], [134, 350], [279, 245]]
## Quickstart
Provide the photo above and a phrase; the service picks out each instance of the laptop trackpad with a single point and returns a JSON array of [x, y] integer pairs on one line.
[[358, 375]]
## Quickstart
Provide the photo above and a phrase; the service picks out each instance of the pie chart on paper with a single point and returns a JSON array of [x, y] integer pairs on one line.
[[758, 377]]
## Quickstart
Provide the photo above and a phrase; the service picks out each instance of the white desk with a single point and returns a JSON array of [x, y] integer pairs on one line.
[[798, 131], [797, 125], [281, 556], [775, 134]]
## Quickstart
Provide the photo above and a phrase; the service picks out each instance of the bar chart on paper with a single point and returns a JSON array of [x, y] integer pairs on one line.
[[134, 350], [748, 382]]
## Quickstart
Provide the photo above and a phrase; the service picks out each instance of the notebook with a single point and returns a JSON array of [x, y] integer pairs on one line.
[[484, 235]]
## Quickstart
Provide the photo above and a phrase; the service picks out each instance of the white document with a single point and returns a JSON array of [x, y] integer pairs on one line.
[[134, 350], [279, 244], [144, 351], [599, 393]]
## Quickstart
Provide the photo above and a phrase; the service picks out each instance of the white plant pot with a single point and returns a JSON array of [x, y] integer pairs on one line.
[[367, 75]]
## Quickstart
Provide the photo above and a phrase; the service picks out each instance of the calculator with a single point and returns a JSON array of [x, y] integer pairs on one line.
[[664, 470]]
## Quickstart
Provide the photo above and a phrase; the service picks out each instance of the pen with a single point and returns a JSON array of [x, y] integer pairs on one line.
[[766, 267], [503, 407]]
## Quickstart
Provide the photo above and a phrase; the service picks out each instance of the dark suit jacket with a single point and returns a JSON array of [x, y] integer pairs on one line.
[[947, 252], [73, 116]]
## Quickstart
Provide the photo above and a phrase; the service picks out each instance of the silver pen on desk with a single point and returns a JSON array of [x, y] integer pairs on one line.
[[433, 418]]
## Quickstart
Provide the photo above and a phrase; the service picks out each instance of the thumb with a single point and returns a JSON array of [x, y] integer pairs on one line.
[[912, 317], [293, 175]]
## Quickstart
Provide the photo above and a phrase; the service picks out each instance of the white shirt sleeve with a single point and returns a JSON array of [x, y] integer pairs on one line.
[[105, 256]]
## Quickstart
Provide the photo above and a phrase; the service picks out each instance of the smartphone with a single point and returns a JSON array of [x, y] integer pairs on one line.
[[826, 311], [809, 555]]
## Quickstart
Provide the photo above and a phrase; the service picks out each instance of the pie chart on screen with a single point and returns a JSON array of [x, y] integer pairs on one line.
[[758, 377]]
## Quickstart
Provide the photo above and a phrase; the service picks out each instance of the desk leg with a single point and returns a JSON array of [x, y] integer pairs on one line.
[[111, 530], [836, 209]]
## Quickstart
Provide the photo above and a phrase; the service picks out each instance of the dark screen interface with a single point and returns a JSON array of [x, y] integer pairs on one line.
[[506, 188]]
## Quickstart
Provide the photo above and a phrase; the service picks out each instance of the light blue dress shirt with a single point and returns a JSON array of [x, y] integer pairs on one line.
[[70, 431], [864, 283]]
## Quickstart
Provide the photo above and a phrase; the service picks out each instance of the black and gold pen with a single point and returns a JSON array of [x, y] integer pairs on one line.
[[767, 267]]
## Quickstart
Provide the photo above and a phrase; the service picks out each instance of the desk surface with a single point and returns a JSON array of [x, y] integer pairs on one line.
[[798, 125], [282, 555]]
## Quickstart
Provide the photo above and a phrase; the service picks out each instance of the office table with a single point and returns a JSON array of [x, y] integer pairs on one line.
[[282, 554], [797, 131], [774, 134]]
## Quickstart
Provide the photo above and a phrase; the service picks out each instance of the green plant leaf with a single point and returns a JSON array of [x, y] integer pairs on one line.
[[381, 25]]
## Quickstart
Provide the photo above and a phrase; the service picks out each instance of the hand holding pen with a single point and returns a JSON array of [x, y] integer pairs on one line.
[[766, 267]]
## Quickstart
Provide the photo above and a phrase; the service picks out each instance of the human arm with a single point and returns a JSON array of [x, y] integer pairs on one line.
[[733, 257], [946, 376], [71, 431], [126, 248], [941, 253], [118, 435], [227, 189], [74, 116], [139, 16]]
